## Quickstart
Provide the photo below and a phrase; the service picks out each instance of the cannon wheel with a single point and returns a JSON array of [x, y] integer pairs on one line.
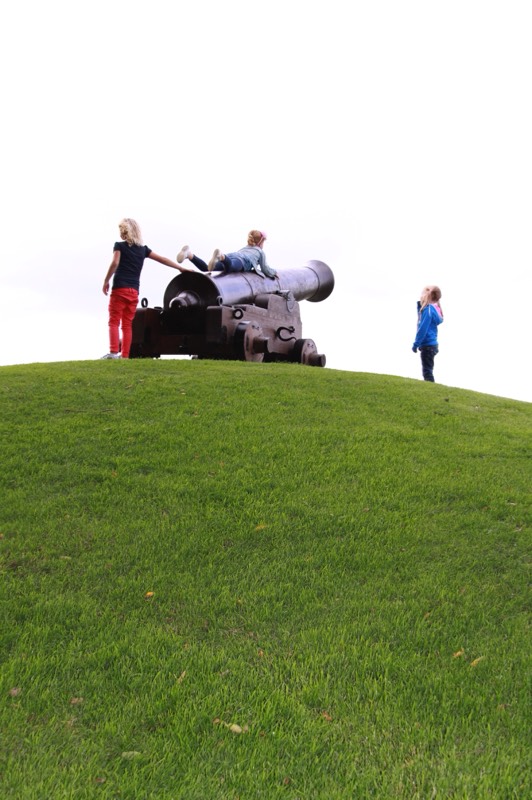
[[244, 336], [306, 352]]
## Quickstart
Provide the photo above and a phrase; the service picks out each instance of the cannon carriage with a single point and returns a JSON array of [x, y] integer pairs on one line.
[[241, 316]]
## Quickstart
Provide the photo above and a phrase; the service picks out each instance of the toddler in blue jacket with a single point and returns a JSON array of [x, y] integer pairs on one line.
[[430, 316]]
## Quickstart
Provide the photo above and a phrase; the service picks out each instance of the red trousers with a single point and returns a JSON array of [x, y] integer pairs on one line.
[[122, 308]]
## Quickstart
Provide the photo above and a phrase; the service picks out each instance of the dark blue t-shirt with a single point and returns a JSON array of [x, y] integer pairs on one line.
[[132, 256]]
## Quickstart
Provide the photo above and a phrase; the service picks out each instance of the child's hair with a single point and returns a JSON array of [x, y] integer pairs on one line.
[[431, 294], [130, 231], [255, 238]]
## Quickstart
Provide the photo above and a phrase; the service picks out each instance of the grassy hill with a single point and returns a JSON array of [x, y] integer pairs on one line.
[[231, 580]]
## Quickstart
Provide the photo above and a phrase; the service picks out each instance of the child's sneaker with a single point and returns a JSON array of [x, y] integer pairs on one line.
[[183, 253], [110, 355], [216, 256]]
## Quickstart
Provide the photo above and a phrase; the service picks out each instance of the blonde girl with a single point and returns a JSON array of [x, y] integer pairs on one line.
[[125, 268], [247, 259]]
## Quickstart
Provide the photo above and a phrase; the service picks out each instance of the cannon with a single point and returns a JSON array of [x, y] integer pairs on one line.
[[242, 316]]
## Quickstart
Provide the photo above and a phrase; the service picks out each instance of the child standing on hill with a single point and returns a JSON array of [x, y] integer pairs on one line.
[[248, 259], [126, 266], [430, 316]]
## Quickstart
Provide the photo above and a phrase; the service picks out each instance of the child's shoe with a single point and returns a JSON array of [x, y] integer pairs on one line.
[[110, 355], [216, 256], [183, 253]]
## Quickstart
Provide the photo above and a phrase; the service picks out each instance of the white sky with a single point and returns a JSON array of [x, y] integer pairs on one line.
[[391, 139]]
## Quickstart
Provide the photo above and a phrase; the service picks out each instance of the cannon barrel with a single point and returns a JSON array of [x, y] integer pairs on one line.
[[313, 282]]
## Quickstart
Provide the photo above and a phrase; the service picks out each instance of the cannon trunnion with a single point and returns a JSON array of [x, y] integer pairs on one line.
[[237, 316]]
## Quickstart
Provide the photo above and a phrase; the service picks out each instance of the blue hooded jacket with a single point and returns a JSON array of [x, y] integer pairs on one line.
[[427, 327]]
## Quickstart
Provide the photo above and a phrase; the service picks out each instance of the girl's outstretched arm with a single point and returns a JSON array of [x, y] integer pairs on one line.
[[168, 263]]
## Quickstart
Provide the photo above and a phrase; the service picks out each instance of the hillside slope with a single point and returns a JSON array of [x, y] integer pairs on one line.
[[332, 563]]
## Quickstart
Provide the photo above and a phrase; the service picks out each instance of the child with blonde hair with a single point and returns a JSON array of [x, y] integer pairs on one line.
[[430, 315], [250, 258], [126, 266]]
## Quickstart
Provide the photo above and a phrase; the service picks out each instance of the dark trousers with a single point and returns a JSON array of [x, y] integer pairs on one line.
[[199, 263], [428, 355]]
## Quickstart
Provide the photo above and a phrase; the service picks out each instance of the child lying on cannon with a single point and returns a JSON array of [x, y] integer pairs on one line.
[[248, 259]]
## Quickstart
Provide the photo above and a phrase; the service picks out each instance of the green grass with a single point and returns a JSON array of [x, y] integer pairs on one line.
[[338, 564]]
